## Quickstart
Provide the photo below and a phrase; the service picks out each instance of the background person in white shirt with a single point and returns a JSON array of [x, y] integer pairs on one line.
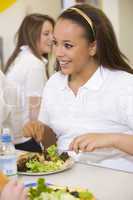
[[89, 102], [28, 64], [11, 115]]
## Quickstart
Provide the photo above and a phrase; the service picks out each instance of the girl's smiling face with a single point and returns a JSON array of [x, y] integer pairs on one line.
[[73, 51], [44, 43]]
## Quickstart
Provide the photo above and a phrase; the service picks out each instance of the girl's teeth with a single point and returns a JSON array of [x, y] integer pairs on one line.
[[63, 63]]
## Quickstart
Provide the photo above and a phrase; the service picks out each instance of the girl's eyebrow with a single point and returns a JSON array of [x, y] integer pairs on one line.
[[63, 40], [67, 41]]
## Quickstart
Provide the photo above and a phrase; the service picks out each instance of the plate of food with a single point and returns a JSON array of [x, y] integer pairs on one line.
[[45, 163], [43, 191]]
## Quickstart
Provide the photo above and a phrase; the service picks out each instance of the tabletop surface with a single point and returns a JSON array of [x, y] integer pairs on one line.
[[106, 184]]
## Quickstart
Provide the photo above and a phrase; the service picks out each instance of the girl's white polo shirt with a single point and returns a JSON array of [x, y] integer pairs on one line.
[[103, 105]]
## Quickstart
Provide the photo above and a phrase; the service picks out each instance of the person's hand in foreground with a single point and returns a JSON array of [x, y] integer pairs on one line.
[[14, 191]]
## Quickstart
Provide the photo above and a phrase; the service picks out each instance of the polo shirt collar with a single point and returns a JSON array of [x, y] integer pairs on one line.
[[97, 79], [94, 83]]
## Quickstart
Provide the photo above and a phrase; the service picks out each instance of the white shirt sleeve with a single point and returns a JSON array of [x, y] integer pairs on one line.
[[35, 81], [17, 71], [29, 72]]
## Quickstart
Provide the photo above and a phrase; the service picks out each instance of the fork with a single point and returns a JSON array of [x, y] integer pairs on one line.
[[43, 150]]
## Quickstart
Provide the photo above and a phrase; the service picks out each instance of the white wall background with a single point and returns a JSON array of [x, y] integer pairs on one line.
[[120, 13], [126, 27], [111, 9]]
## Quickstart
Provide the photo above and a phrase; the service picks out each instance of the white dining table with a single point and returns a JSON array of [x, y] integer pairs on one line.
[[104, 183]]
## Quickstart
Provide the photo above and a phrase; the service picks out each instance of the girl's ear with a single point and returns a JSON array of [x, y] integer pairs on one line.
[[92, 48]]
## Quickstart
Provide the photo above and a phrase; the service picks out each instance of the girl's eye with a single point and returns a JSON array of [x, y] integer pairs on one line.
[[54, 42], [68, 46], [46, 33]]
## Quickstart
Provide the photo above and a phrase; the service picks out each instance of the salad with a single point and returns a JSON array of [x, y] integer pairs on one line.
[[44, 192], [35, 162]]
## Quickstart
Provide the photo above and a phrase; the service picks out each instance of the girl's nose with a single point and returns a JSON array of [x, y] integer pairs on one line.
[[58, 50]]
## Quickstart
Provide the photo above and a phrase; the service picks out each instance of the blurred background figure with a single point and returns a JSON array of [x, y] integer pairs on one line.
[[27, 66], [11, 114]]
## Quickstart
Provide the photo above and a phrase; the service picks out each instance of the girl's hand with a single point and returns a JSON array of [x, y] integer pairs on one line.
[[34, 129], [90, 142]]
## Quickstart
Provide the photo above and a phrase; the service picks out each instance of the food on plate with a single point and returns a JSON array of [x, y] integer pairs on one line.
[[3, 180], [47, 162], [44, 192]]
